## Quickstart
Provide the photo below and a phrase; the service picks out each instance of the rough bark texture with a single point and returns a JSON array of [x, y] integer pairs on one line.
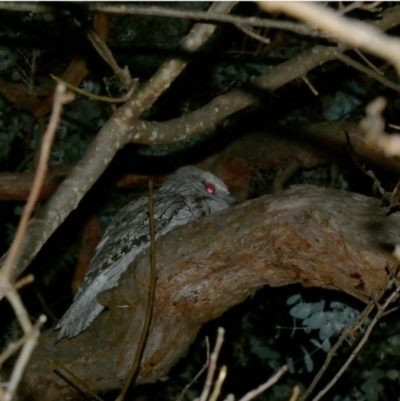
[[318, 237]]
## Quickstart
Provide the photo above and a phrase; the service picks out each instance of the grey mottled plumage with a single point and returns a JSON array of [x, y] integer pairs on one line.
[[186, 195]]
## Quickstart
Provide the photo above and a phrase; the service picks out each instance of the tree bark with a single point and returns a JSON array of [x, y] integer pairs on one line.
[[314, 236]]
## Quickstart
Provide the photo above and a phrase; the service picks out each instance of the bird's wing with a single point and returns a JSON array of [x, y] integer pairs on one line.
[[126, 237]]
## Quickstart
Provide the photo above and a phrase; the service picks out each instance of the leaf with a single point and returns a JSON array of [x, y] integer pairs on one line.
[[290, 364], [315, 321], [301, 311], [307, 360], [293, 299]]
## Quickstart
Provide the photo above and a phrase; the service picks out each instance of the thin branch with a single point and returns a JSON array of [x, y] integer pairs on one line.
[[101, 46], [150, 303], [11, 349], [213, 365], [373, 74], [26, 7], [218, 384], [301, 29], [24, 281], [18, 369], [372, 66], [76, 381], [371, 6], [253, 34], [31, 332], [354, 33], [60, 98], [350, 7], [205, 366], [310, 85], [270, 382], [92, 96]]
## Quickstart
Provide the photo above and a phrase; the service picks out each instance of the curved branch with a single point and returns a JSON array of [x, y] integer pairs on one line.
[[314, 236], [301, 29]]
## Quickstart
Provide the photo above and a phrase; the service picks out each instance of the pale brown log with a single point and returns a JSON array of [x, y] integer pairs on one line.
[[314, 236]]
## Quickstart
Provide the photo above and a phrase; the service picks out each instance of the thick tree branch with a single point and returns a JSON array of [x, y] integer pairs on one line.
[[309, 235]]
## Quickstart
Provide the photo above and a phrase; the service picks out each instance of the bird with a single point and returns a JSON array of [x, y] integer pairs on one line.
[[185, 195]]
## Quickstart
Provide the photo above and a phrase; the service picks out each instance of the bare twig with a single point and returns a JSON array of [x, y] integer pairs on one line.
[[253, 34], [205, 366], [372, 66], [376, 183], [344, 10], [101, 46], [354, 33], [18, 369], [371, 6], [204, 16], [270, 382], [213, 365], [31, 332], [12, 348], [375, 75], [218, 384], [92, 96], [76, 381], [360, 5], [60, 98], [150, 303], [24, 281], [26, 7], [310, 85]]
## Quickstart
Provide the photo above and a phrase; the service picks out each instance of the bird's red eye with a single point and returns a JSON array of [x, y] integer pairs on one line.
[[210, 188]]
